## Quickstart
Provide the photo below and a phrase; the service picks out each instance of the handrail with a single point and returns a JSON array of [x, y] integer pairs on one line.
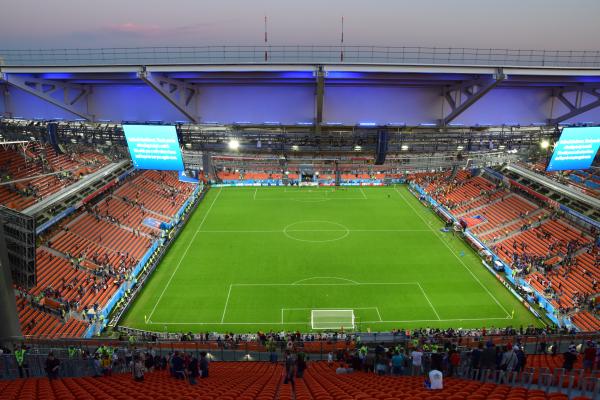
[[301, 54]]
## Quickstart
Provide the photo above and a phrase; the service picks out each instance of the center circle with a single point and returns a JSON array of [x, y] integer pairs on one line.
[[316, 231]]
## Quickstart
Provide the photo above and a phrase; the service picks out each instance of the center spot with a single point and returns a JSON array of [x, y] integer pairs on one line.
[[316, 231]]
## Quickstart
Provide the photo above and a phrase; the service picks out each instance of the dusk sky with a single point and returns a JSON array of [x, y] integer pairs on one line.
[[519, 24]]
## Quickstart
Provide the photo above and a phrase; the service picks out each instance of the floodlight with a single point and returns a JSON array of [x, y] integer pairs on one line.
[[234, 144]]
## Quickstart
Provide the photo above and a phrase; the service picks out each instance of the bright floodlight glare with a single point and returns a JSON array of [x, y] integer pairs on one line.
[[404, 147], [295, 147], [545, 144], [234, 144], [357, 148]]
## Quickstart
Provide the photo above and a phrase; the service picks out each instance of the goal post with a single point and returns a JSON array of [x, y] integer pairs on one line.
[[332, 319]]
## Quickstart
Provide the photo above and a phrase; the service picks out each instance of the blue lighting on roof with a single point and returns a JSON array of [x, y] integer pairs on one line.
[[367, 123], [272, 122], [456, 124], [243, 122], [333, 123], [344, 75], [397, 123], [427, 124], [297, 74], [56, 75], [304, 123]]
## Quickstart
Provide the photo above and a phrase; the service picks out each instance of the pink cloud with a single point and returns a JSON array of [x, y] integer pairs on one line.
[[131, 27]]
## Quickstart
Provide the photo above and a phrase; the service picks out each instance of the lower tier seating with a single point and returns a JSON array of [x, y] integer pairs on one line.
[[263, 381]]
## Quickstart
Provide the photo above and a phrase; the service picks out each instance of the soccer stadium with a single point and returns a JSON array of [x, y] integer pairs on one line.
[[274, 220]]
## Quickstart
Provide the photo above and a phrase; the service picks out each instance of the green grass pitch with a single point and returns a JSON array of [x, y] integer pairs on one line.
[[255, 259]]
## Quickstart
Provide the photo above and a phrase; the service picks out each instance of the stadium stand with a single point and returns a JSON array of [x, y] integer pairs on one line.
[[261, 380], [82, 261], [553, 256], [21, 163]]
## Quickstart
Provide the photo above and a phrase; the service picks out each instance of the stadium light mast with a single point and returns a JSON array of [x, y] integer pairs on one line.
[[266, 41], [342, 41]]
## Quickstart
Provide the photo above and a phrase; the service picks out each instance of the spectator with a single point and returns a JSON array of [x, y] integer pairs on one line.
[[589, 356], [22, 365], [509, 359], [300, 365], [106, 365], [178, 366], [417, 359], [192, 372], [290, 369], [397, 363], [137, 369], [436, 379], [570, 357], [488, 357], [203, 364], [52, 366]]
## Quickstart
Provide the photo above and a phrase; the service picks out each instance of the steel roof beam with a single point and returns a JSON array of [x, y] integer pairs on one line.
[[43, 89], [180, 94], [464, 94], [575, 107]]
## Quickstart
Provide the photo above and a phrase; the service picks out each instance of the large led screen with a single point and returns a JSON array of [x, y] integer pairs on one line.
[[154, 147], [576, 149]]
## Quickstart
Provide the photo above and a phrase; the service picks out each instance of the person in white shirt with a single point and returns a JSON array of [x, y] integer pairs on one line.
[[417, 359], [330, 358], [436, 379]]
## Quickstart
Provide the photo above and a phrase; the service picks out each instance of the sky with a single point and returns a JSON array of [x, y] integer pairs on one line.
[[515, 24]]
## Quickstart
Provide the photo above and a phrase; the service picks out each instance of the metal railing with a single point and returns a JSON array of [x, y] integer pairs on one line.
[[301, 54]]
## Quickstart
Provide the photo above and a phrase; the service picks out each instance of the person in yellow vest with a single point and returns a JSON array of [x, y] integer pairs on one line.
[[21, 362]]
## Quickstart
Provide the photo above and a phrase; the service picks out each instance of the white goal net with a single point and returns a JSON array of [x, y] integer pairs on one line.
[[332, 319]]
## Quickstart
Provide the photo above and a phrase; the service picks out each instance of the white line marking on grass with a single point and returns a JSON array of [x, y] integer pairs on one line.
[[184, 253], [326, 277], [429, 301], [451, 251], [378, 314], [313, 230], [255, 190], [324, 284], [363, 192], [304, 322], [226, 302]]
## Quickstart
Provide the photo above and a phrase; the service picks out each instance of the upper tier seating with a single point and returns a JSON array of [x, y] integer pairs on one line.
[[40, 159]]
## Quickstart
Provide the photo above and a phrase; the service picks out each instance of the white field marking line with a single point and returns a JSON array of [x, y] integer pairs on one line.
[[255, 190], [378, 314], [226, 302], [314, 230], [451, 251], [329, 308], [314, 200], [184, 253], [325, 277], [304, 322], [325, 284], [363, 192], [429, 301]]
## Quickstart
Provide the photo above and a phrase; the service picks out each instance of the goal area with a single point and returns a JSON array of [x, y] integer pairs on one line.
[[332, 319]]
